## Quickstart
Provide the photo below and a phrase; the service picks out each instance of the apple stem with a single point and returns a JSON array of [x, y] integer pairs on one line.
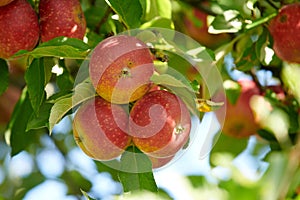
[[125, 72], [179, 129]]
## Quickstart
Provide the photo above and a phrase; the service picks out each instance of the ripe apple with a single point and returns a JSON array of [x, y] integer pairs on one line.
[[5, 2], [99, 129], [239, 120], [285, 31], [19, 28], [61, 18], [160, 123], [120, 69], [196, 26]]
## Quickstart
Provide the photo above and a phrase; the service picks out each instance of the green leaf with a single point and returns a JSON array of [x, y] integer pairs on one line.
[[94, 15], [105, 167], [3, 76], [16, 134], [40, 119], [159, 22], [136, 171], [76, 182], [28, 183], [129, 11], [229, 144], [65, 80], [291, 77], [86, 195], [226, 23], [63, 51], [197, 181], [158, 8], [82, 92], [167, 80], [179, 87], [59, 47], [232, 90], [65, 41], [35, 79]]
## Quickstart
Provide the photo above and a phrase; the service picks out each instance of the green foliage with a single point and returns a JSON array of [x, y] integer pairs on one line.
[[3, 76], [135, 171]]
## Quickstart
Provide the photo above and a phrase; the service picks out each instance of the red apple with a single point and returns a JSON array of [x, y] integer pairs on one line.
[[160, 123], [5, 2], [61, 18], [120, 69], [285, 30], [196, 26], [19, 28], [240, 120], [100, 129]]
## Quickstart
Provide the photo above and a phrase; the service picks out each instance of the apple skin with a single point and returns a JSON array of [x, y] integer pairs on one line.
[[160, 124], [239, 120], [200, 32], [61, 18], [120, 69], [5, 2], [285, 31], [99, 129], [19, 28]]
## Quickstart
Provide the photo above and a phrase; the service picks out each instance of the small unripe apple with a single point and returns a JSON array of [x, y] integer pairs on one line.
[[5, 2], [285, 31], [120, 69], [61, 18], [160, 123], [99, 129], [239, 120], [19, 28]]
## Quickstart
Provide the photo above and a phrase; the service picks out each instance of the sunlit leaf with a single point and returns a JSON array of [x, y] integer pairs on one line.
[[291, 77], [85, 194], [82, 92], [159, 22], [158, 8], [136, 171], [129, 11], [168, 80], [226, 23]]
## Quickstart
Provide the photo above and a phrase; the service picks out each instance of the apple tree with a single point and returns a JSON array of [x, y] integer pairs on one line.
[[129, 87]]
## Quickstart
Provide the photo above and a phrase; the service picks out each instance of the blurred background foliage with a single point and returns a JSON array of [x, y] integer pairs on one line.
[[263, 165]]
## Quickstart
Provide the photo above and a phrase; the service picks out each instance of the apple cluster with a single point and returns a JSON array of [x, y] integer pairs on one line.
[[129, 109], [21, 28]]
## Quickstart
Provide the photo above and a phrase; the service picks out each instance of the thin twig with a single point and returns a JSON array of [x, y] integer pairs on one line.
[[103, 20]]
